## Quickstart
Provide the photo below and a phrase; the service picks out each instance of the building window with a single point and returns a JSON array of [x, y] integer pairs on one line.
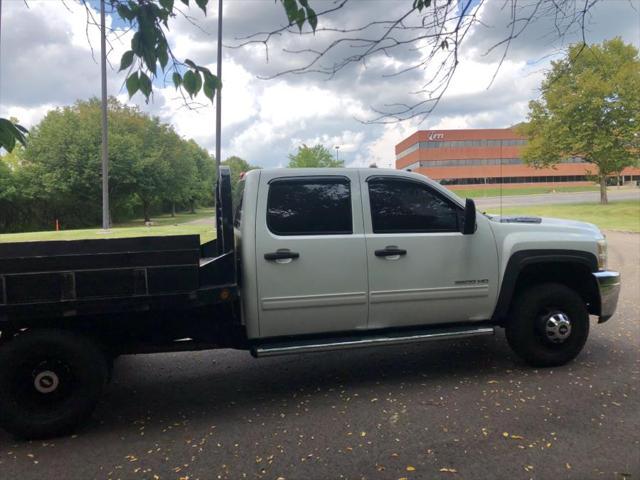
[[404, 206], [304, 206], [505, 180]]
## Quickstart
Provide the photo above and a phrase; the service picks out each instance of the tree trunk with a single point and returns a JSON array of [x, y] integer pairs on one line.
[[145, 211], [192, 204], [173, 209], [603, 190]]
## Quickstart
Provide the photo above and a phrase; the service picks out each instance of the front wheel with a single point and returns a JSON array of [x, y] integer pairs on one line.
[[549, 325], [50, 382]]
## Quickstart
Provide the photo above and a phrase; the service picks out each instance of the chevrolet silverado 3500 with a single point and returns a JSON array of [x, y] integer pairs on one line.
[[308, 260]]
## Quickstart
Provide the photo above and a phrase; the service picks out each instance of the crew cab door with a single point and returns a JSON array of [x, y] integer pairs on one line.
[[310, 254], [422, 270]]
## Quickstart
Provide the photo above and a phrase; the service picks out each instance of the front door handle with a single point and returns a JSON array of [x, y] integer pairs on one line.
[[281, 255], [390, 252]]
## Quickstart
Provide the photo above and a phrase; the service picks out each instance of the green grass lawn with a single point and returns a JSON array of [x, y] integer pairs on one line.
[[495, 192], [614, 216], [162, 225]]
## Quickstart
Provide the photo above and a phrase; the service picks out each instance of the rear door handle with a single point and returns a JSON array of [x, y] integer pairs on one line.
[[281, 255], [390, 252]]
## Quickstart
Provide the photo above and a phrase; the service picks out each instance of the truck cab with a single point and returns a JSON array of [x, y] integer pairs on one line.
[[356, 250]]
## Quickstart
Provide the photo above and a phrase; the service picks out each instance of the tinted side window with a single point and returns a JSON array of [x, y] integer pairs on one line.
[[399, 206], [309, 207]]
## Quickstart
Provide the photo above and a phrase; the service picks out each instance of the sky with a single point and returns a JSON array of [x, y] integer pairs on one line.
[[49, 59]]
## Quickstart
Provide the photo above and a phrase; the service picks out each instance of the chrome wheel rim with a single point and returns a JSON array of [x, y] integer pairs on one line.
[[46, 381], [557, 327]]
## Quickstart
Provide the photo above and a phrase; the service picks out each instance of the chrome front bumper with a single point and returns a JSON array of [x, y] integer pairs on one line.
[[609, 289]]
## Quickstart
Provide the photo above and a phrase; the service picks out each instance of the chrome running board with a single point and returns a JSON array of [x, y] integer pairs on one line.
[[390, 338]]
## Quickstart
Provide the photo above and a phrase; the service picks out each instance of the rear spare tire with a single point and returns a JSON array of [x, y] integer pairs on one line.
[[548, 325], [50, 382]]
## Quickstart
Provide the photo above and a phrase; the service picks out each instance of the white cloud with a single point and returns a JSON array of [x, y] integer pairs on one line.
[[47, 62]]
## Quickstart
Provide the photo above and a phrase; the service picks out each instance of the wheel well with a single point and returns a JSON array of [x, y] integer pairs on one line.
[[574, 275]]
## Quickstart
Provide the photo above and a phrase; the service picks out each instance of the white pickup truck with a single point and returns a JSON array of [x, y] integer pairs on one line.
[[312, 260]]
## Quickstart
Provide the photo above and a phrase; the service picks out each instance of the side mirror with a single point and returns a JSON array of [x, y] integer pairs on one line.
[[469, 225]]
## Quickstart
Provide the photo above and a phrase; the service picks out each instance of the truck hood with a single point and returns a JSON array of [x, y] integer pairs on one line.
[[545, 223]]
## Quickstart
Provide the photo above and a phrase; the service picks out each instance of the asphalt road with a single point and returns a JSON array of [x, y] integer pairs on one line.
[[451, 410], [556, 198]]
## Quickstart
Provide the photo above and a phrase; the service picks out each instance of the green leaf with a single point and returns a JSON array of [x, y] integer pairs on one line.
[[301, 17], [167, 4], [421, 4], [125, 13], [132, 84], [190, 63], [150, 60], [7, 135], [291, 9], [211, 83], [126, 60], [9, 143], [203, 5], [198, 83], [177, 79], [189, 82], [145, 85], [136, 46], [312, 18], [12, 132], [163, 56], [209, 90]]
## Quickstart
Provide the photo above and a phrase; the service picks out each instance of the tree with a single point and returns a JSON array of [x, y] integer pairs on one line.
[[57, 176], [238, 166], [317, 156], [589, 108], [200, 190]]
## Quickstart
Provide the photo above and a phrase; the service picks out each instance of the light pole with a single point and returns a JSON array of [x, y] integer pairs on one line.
[[337, 147], [105, 134], [219, 96], [0, 42]]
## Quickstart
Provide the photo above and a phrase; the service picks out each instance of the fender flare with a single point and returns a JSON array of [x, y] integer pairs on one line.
[[524, 258]]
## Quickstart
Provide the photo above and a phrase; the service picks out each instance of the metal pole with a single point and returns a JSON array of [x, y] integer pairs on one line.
[[219, 96], [105, 134], [0, 44]]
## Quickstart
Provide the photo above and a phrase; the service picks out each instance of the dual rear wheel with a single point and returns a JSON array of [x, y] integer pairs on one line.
[[50, 382]]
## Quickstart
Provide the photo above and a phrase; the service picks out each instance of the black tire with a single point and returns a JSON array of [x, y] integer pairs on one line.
[[31, 365], [526, 328]]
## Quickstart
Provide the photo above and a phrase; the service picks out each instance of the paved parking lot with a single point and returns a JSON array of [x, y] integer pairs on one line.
[[451, 410], [556, 198]]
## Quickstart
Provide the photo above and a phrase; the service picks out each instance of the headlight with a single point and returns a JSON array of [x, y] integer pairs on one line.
[[602, 254]]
